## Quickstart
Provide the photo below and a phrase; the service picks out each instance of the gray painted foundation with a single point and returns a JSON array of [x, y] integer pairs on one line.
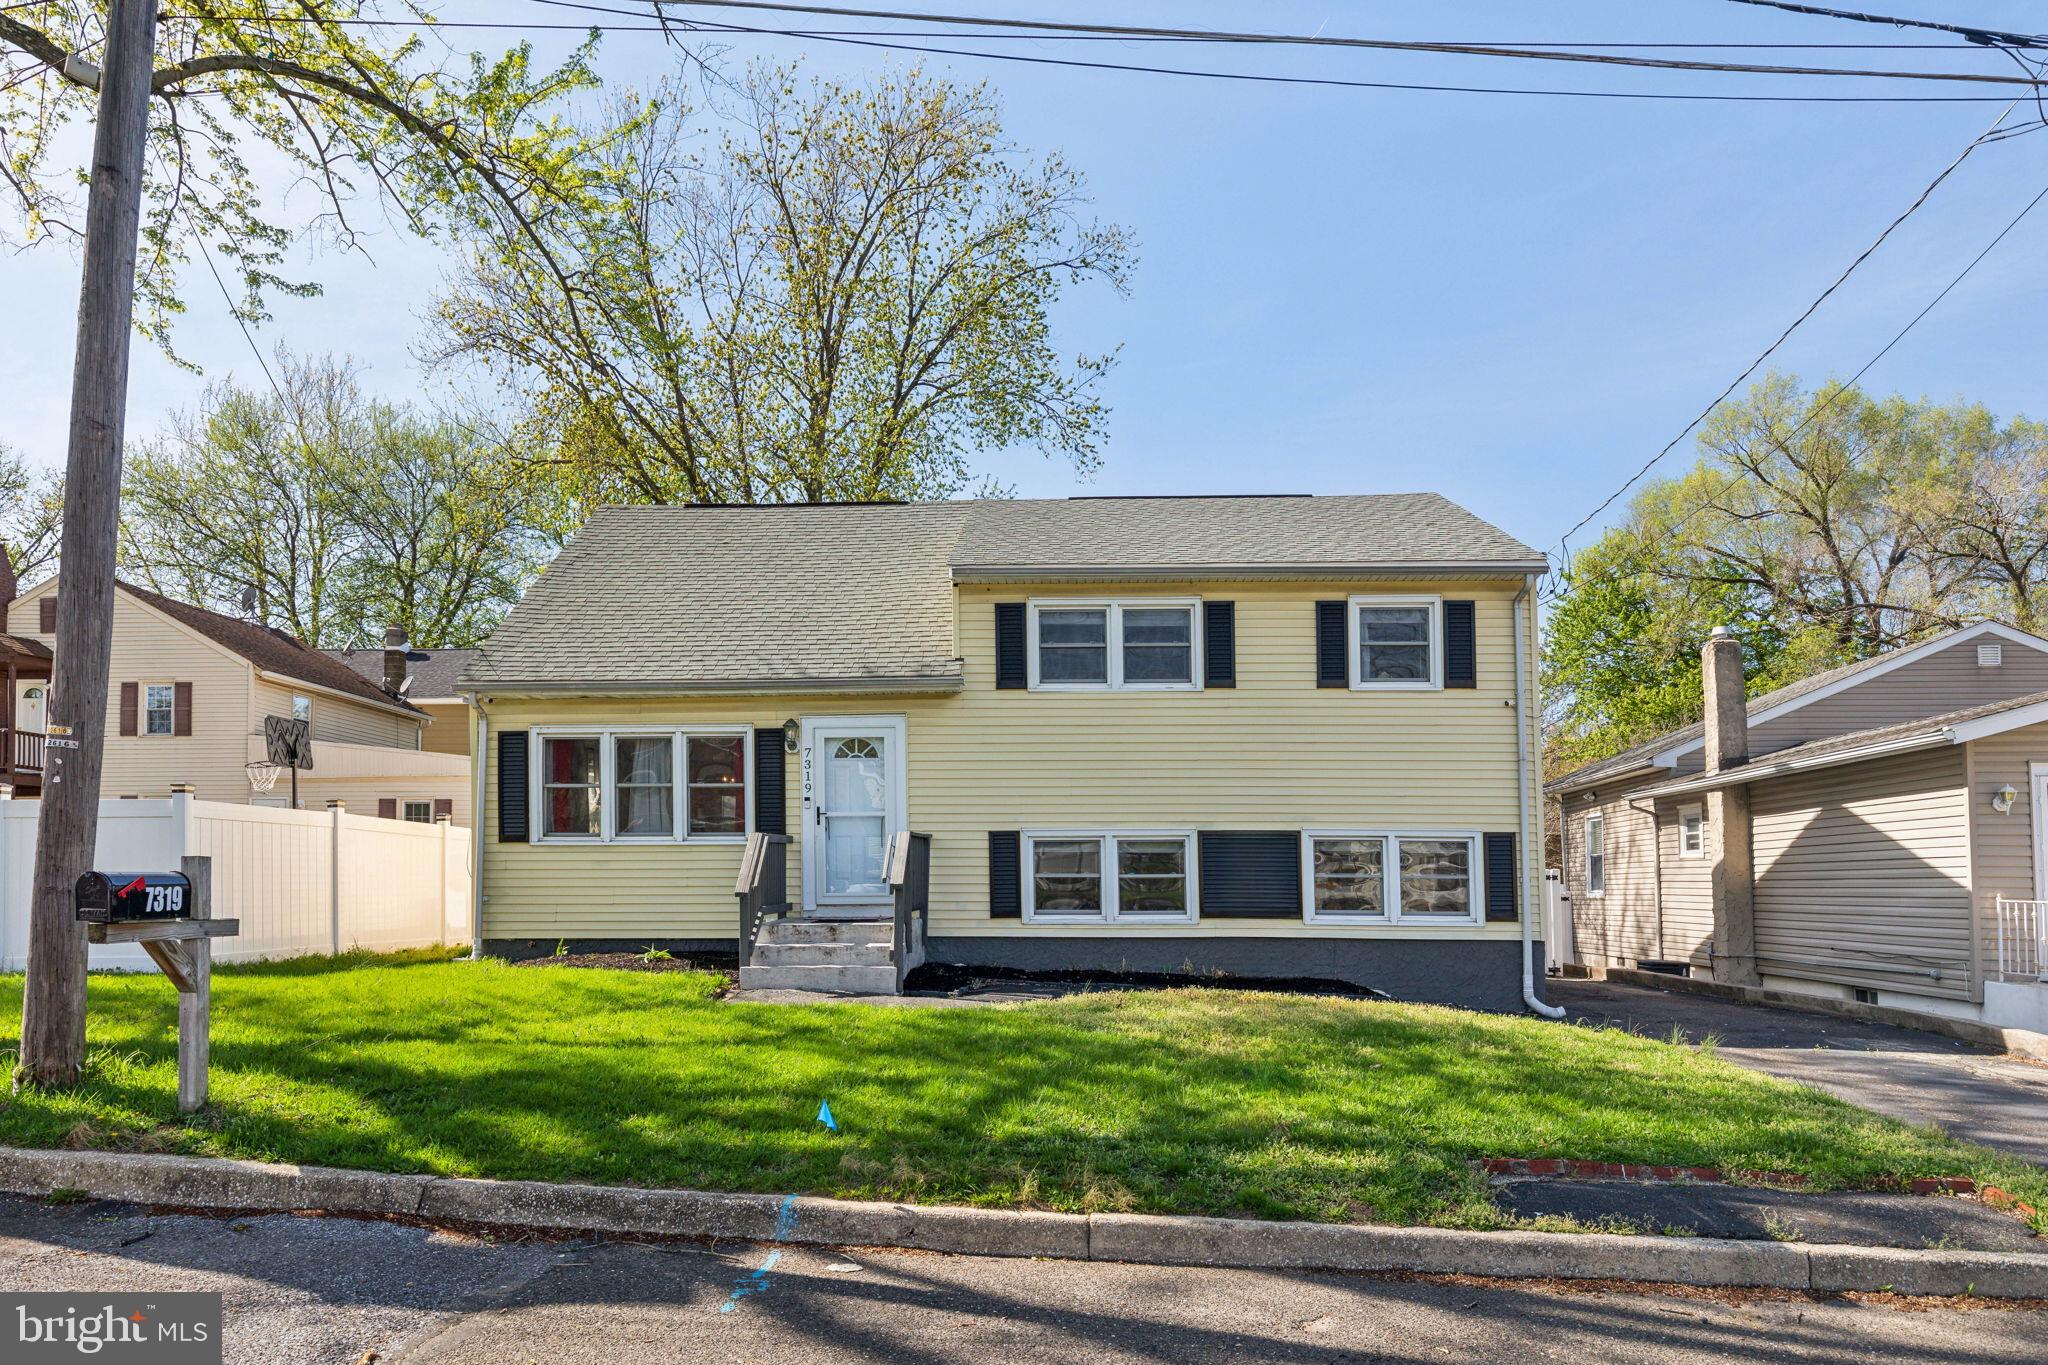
[[1485, 975]]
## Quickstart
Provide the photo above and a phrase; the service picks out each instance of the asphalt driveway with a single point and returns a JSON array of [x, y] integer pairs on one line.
[[1970, 1092]]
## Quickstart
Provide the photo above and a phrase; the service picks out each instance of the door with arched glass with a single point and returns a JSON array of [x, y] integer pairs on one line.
[[853, 802]]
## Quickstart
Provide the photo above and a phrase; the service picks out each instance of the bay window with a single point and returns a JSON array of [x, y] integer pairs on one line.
[[1135, 876], [1388, 877], [607, 785], [1143, 644]]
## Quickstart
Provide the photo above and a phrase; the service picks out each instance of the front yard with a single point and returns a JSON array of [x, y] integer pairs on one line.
[[1193, 1101]]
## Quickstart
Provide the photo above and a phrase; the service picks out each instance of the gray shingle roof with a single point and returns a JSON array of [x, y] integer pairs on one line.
[[433, 671], [696, 598], [1911, 729], [1639, 754], [1279, 534]]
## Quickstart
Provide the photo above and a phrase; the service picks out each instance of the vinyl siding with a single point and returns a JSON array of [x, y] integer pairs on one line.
[[2002, 846], [452, 728], [362, 793], [1863, 874], [335, 718], [1619, 926], [1686, 887], [149, 647], [1947, 680], [1275, 752]]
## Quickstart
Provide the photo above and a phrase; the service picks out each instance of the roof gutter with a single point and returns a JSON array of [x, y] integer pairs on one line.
[[1571, 782], [737, 687], [1474, 568], [410, 713], [1758, 772]]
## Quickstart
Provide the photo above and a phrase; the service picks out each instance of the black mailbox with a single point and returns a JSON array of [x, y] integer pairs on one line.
[[107, 897]]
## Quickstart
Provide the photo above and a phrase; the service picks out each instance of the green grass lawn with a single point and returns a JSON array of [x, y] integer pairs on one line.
[[1198, 1101]]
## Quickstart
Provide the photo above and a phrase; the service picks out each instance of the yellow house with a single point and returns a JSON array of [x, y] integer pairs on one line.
[[188, 692], [1280, 737]]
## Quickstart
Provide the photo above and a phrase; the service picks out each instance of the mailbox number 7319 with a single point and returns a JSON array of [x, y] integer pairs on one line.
[[165, 900]]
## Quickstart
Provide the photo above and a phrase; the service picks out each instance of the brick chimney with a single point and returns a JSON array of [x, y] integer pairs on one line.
[[9, 587], [1727, 811], [394, 659]]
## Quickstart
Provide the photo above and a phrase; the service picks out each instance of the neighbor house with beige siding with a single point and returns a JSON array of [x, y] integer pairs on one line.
[[1265, 737], [189, 691], [1876, 832]]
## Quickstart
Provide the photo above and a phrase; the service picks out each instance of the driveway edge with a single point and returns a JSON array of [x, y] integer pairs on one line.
[[210, 1182]]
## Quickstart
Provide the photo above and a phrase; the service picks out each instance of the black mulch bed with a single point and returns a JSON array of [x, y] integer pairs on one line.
[[634, 962], [940, 978]]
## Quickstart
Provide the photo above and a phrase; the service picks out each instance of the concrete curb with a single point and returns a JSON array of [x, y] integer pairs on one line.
[[205, 1182]]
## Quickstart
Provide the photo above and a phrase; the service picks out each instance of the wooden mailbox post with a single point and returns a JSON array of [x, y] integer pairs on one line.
[[172, 918]]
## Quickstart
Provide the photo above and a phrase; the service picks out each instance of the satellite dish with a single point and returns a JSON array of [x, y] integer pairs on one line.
[[249, 601]]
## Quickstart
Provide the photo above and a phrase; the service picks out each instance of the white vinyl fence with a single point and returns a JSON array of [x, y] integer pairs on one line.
[[300, 881]]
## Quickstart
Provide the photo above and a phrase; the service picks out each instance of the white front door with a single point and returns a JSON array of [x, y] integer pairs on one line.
[[2037, 778], [29, 707], [853, 803]]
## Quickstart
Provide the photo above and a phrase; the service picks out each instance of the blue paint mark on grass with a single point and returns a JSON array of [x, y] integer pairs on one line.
[[755, 1283]]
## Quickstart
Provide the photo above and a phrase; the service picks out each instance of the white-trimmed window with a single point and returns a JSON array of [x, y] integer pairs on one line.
[[1692, 831], [302, 708], [1361, 876], [1396, 643], [418, 812], [1099, 876], [159, 708], [1143, 644], [1596, 854], [642, 785]]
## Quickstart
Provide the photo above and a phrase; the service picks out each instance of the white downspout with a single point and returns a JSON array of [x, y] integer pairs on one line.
[[481, 748], [1524, 712]]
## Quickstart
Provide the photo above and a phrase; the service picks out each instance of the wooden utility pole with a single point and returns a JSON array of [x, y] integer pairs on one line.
[[53, 1001]]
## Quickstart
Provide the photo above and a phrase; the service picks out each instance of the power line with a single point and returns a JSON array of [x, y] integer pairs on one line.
[[1325, 40], [1986, 36], [701, 25], [1813, 414], [1771, 349]]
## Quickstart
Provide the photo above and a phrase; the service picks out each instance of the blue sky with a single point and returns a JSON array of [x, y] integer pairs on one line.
[[1512, 301]]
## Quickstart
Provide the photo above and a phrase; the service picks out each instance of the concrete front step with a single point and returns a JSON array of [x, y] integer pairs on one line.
[[841, 980], [822, 955], [826, 931]]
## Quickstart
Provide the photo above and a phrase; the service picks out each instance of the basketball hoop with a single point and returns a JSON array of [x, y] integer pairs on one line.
[[263, 776]]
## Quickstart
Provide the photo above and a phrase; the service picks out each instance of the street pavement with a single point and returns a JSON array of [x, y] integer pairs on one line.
[[1969, 1092], [307, 1289]]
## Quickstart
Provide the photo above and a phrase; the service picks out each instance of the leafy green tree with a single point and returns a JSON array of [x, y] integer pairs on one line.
[[31, 515], [833, 292], [330, 514], [350, 103], [1824, 526]]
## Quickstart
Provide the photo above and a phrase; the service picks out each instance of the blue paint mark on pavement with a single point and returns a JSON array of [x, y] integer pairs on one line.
[[755, 1283], [785, 1218]]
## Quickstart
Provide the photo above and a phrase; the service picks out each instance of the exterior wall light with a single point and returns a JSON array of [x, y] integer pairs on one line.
[[791, 733], [2002, 799]]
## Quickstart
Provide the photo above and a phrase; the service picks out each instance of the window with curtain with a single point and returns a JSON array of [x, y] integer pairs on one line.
[[643, 775], [718, 784], [572, 786]]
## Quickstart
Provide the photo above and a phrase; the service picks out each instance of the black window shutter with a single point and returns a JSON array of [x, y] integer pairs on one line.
[[1011, 669], [1250, 874], [512, 814], [1219, 644], [1331, 663], [771, 783], [1005, 885], [1461, 649], [1503, 887]]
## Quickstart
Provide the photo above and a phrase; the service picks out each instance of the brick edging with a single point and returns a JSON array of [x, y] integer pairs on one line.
[[219, 1183]]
